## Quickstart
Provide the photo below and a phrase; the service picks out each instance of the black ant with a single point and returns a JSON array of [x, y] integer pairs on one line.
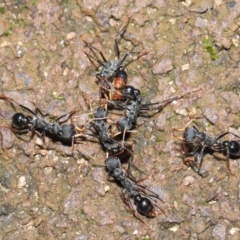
[[22, 123], [130, 93], [201, 141], [134, 107], [112, 146], [132, 190]]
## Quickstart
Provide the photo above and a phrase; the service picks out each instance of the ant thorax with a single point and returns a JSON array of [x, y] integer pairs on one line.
[[109, 70]]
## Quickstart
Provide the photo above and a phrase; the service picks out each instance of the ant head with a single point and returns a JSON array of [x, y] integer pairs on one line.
[[144, 206], [19, 121], [112, 163], [68, 131], [123, 124], [129, 92], [100, 113]]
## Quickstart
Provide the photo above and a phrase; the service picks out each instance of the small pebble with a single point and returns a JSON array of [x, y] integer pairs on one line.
[[135, 232], [21, 181], [71, 35], [106, 188], [185, 67], [39, 141], [188, 180], [182, 112]]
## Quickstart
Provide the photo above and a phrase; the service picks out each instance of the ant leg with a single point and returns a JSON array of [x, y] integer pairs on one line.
[[96, 58], [116, 48], [124, 29], [200, 159], [222, 135], [37, 110], [228, 163], [10, 100], [120, 33], [178, 130], [165, 102], [91, 58], [182, 129], [27, 109], [103, 58], [190, 162], [123, 59]]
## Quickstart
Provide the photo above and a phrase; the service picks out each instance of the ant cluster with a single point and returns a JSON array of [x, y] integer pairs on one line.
[[115, 93]]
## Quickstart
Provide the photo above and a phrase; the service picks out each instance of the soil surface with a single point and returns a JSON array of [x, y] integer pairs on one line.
[[49, 192]]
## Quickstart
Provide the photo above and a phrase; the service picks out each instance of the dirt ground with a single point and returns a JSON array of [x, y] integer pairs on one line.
[[46, 192]]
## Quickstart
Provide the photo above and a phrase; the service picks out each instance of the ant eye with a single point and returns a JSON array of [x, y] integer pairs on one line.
[[225, 143]]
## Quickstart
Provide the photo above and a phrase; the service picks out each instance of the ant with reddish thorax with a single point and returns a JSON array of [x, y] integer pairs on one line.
[[145, 201], [113, 76], [112, 69], [198, 142], [112, 146]]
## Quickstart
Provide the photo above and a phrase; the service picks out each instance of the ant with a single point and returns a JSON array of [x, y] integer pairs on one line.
[[130, 93], [132, 190], [99, 124], [22, 123], [201, 141], [113, 69], [133, 108], [113, 72]]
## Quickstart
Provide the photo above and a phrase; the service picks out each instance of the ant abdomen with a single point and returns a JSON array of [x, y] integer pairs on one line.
[[20, 121], [233, 146], [144, 206], [120, 78]]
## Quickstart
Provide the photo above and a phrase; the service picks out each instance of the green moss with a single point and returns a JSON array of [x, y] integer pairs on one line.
[[14, 24], [146, 237], [62, 98], [23, 7], [2, 10], [209, 47], [33, 3], [52, 119], [144, 93], [198, 106], [17, 23], [6, 33]]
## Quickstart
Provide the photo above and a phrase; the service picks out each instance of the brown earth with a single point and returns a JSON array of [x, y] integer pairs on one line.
[[45, 191]]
